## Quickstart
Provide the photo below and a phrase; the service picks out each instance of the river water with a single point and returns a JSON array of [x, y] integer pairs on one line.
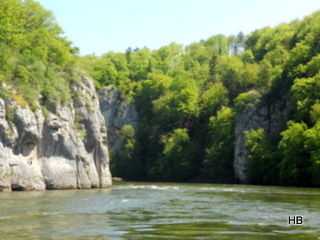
[[162, 211]]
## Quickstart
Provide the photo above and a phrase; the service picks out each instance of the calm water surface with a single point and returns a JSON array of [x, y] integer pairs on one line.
[[161, 211]]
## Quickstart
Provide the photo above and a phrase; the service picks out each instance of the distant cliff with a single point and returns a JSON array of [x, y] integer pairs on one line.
[[62, 149], [255, 115], [117, 113]]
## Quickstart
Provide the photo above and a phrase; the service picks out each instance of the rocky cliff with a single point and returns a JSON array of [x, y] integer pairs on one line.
[[62, 149], [117, 112], [67, 148], [248, 119], [253, 116]]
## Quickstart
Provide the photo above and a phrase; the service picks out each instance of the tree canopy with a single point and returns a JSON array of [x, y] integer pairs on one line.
[[187, 97], [34, 53]]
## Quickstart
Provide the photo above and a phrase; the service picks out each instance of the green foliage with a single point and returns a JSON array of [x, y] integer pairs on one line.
[[123, 163], [187, 99], [127, 132], [263, 159], [312, 146], [247, 56], [218, 163], [215, 97], [4, 93], [176, 106], [315, 112], [295, 164], [10, 113], [33, 54], [45, 112], [306, 93], [247, 100], [228, 71], [176, 161], [300, 149]]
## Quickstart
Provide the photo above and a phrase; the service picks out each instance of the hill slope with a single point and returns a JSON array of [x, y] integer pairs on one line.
[[227, 109]]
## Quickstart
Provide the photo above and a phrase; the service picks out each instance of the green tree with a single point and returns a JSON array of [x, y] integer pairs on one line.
[[34, 54], [295, 164], [263, 158], [177, 160], [218, 162], [123, 163], [212, 99]]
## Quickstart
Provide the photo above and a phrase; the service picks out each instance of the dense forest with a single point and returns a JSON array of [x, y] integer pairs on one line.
[[187, 97]]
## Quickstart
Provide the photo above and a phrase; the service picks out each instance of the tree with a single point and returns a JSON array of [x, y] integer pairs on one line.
[[295, 163], [263, 158], [33, 52], [123, 163], [218, 162], [212, 99], [177, 160]]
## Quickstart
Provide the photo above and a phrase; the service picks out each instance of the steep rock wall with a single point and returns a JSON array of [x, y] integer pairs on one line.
[[252, 117], [117, 112], [62, 150]]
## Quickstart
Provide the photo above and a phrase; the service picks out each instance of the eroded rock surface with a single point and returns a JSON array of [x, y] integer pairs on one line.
[[62, 150], [117, 112], [252, 117]]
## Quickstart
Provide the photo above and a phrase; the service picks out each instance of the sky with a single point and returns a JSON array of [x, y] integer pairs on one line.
[[99, 26]]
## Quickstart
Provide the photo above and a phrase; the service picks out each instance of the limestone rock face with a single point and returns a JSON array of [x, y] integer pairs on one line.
[[248, 119], [252, 117], [117, 112], [66, 149]]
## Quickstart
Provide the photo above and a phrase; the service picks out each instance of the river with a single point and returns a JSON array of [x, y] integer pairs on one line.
[[162, 211]]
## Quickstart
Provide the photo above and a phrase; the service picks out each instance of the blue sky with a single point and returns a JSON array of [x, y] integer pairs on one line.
[[99, 26]]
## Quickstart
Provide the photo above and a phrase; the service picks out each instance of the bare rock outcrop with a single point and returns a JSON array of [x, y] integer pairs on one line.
[[117, 112], [66, 149], [252, 116]]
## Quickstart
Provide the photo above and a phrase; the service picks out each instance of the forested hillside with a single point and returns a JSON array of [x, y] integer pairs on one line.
[[188, 99], [34, 56]]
